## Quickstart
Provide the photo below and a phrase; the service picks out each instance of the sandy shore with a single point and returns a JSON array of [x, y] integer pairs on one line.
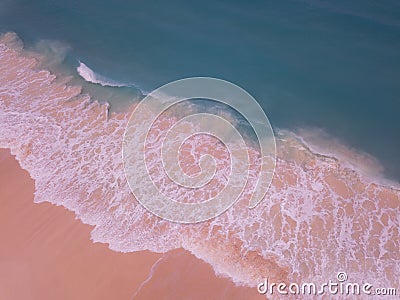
[[47, 254], [319, 217]]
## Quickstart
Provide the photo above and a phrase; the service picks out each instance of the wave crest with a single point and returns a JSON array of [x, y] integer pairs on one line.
[[90, 76], [318, 217]]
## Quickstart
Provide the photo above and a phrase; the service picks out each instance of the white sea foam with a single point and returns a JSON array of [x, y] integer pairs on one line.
[[319, 141], [319, 217], [90, 76]]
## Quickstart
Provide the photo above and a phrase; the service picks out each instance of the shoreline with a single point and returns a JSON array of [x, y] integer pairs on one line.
[[313, 203], [48, 254]]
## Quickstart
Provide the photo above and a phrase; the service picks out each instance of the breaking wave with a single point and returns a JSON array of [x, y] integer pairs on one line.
[[90, 76], [319, 216]]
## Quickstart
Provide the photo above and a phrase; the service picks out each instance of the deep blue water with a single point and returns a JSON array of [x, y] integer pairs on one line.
[[331, 65]]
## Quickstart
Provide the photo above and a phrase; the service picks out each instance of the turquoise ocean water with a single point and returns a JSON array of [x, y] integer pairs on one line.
[[321, 64]]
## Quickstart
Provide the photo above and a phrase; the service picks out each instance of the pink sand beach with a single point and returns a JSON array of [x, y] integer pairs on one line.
[[71, 228]]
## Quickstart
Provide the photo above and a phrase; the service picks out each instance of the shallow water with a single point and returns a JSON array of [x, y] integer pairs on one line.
[[319, 217], [309, 63]]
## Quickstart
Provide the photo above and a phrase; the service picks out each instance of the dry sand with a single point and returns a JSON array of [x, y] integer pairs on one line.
[[318, 218], [46, 253]]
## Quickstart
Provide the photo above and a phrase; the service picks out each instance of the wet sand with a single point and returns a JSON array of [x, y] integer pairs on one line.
[[318, 218], [46, 253]]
